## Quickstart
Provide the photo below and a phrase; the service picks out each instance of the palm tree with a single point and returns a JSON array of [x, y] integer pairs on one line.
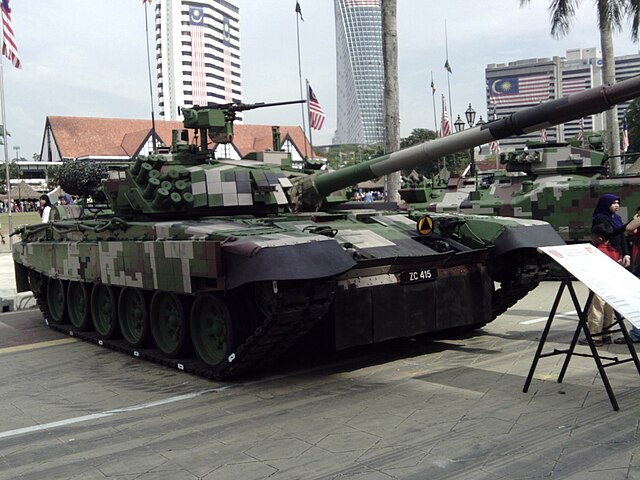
[[391, 102], [611, 13]]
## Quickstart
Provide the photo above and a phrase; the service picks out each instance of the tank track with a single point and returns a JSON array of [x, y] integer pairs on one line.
[[290, 314], [516, 288]]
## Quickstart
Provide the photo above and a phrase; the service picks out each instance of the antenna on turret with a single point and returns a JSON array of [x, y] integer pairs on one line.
[[153, 121]]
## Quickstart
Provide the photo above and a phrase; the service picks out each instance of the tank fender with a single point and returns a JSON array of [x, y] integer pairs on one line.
[[246, 262]]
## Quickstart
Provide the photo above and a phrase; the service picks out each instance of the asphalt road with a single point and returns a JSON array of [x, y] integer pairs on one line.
[[416, 409]]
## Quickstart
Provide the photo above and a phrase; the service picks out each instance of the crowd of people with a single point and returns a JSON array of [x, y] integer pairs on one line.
[[18, 206]]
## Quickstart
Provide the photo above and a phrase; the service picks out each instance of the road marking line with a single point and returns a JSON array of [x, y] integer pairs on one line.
[[108, 413], [34, 346], [561, 316]]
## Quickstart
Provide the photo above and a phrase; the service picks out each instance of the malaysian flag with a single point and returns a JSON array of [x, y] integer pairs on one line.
[[518, 91], [9, 47], [625, 134], [445, 124], [316, 113], [198, 78], [575, 85]]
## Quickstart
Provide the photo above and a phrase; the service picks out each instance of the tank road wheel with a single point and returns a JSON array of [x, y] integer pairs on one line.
[[212, 335], [56, 300], [169, 327], [133, 315], [79, 305], [104, 310]]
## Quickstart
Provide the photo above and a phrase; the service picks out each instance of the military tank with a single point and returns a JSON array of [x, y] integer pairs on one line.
[[217, 266], [558, 183]]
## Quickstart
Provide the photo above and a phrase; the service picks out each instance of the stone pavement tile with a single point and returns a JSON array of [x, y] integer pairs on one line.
[[167, 475], [320, 464], [435, 467], [277, 449], [394, 456], [206, 457], [59, 471], [138, 461], [343, 442], [244, 471]]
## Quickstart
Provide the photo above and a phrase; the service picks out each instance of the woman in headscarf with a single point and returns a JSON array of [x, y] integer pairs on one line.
[[606, 211], [66, 200]]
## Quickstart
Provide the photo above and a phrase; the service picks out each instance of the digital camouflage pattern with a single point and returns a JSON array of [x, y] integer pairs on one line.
[[237, 260], [557, 183]]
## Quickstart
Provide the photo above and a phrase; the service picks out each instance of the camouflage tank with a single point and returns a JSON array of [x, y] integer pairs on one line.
[[558, 183], [217, 266]]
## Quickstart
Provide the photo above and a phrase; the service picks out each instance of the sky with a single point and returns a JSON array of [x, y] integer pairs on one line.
[[89, 58]]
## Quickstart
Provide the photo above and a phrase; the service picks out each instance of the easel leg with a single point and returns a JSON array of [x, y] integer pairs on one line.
[[543, 338], [582, 326], [594, 352], [625, 334]]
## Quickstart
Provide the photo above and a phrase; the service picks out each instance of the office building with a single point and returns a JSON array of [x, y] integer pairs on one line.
[[526, 83], [198, 54], [360, 72]]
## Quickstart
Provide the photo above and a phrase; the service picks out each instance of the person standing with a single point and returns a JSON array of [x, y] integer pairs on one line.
[[633, 228], [600, 314], [606, 212], [45, 208]]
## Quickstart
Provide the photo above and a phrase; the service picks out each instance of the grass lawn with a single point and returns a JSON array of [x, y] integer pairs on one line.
[[17, 219]]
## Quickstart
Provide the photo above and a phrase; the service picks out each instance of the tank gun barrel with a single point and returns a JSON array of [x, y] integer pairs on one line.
[[594, 100], [241, 107]]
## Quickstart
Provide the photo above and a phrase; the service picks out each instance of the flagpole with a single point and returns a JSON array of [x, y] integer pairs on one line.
[[309, 118], [6, 152], [433, 102], [446, 51], [153, 120], [304, 127]]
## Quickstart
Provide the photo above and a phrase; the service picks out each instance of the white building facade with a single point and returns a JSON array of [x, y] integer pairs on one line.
[[198, 54], [360, 72]]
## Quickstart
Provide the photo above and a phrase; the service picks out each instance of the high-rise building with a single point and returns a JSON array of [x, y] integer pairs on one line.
[[198, 53], [526, 83], [360, 72]]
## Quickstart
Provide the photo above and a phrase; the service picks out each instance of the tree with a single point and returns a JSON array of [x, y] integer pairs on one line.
[[14, 173], [610, 16], [391, 102], [633, 124], [417, 136]]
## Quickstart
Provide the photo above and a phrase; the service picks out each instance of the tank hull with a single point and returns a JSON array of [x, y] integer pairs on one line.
[[367, 275]]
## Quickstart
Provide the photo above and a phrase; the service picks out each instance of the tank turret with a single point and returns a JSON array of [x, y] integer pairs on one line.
[[216, 266], [559, 183], [193, 182]]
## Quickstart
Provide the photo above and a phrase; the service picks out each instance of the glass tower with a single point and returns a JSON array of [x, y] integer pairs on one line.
[[360, 72]]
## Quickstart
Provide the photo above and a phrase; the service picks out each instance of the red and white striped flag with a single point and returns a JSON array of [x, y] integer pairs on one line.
[[494, 147], [580, 136], [625, 135], [445, 124], [9, 47], [543, 135], [316, 113]]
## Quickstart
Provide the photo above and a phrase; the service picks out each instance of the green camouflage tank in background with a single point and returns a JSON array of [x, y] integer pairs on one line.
[[555, 182], [217, 266]]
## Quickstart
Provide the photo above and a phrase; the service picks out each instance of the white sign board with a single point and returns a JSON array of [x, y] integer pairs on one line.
[[615, 284]]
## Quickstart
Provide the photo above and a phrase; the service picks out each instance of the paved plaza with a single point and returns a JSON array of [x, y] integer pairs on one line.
[[446, 408]]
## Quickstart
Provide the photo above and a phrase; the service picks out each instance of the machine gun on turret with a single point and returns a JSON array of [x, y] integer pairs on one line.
[[216, 120]]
